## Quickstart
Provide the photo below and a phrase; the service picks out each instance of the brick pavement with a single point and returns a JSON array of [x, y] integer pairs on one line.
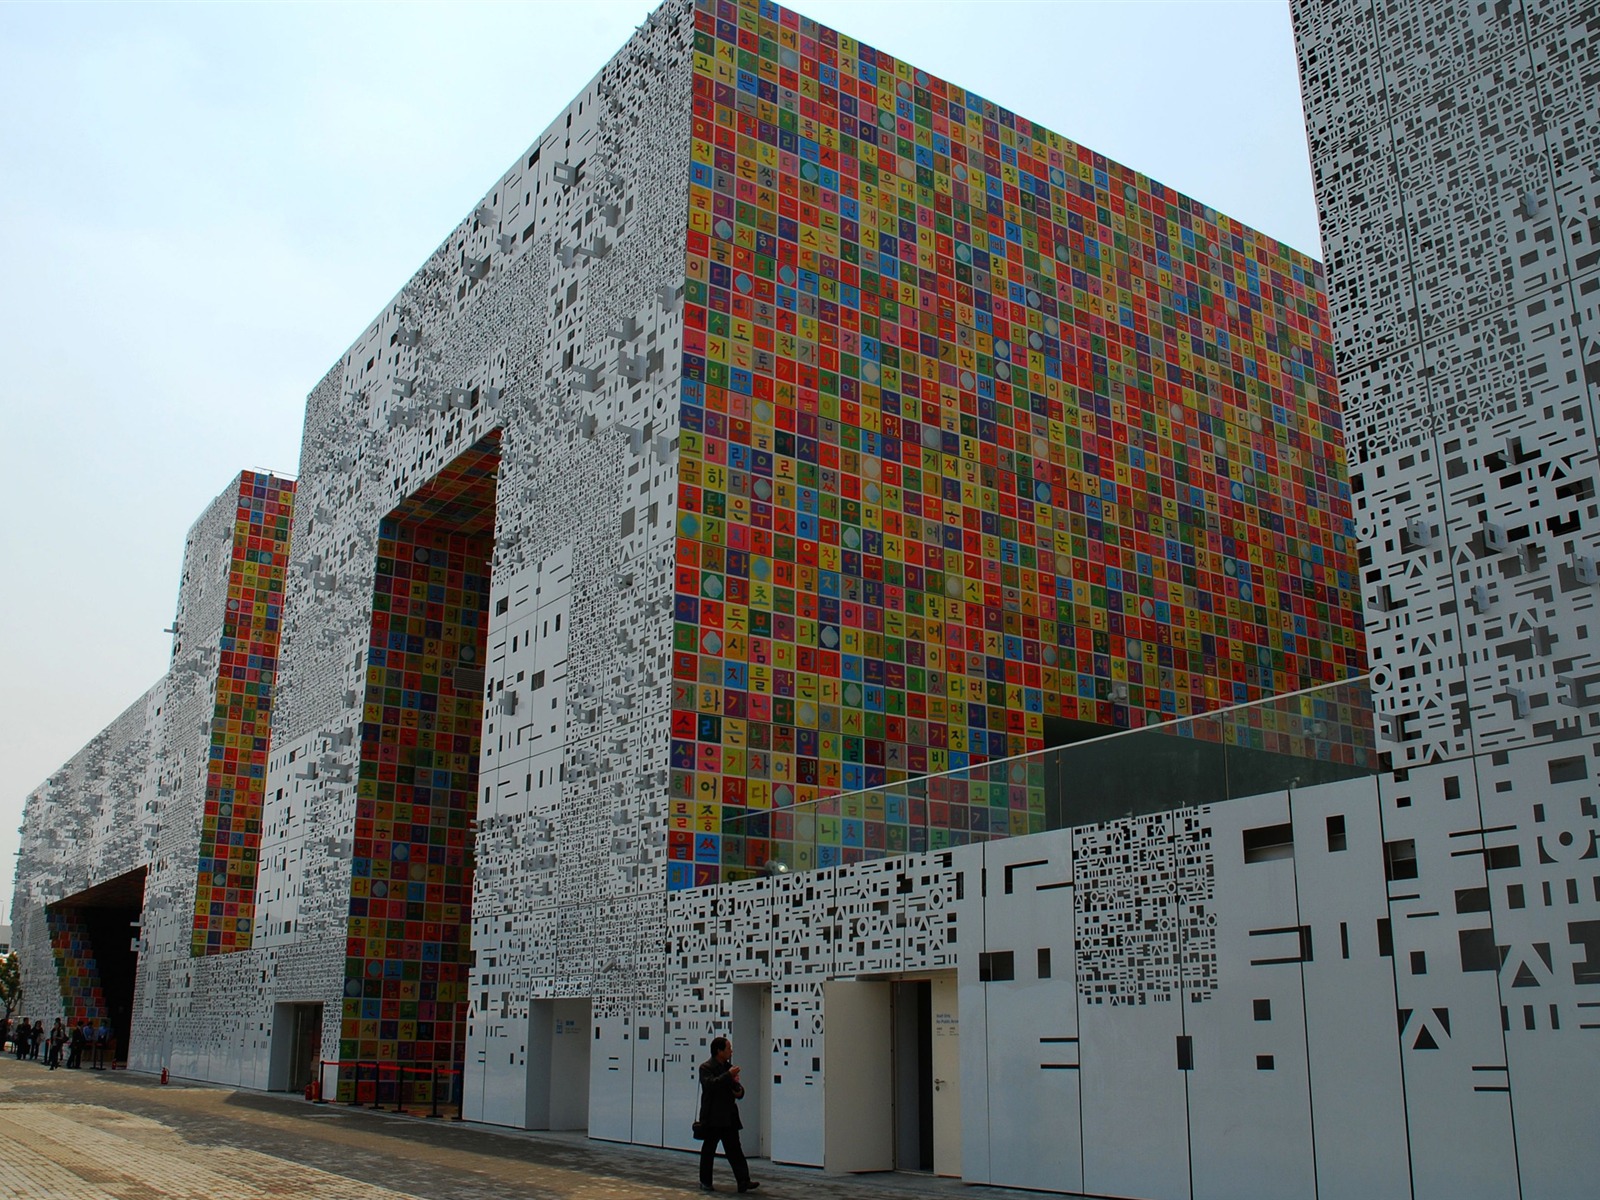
[[86, 1135]]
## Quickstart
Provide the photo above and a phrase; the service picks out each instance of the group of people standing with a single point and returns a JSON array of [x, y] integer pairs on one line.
[[29, 1041]]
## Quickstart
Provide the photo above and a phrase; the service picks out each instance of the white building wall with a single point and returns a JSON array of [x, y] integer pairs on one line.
[[1158, 929], [1454, 147], [557, 303], [182, 765], [91, 821]]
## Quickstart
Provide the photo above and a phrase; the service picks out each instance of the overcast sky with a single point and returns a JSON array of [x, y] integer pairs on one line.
[[202, 206]]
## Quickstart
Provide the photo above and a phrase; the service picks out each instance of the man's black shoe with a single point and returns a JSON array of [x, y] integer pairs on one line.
[[749, 1187]]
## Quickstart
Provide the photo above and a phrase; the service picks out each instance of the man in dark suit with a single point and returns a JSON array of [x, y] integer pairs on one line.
[[720, 1093]]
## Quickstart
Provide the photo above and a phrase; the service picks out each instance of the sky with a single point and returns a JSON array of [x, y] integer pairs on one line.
[[203, 205]]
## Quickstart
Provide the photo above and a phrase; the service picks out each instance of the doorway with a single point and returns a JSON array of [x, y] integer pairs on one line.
[[560, 1034], [752, 1051], [94, 936], [912, 1001], [410, 903], [296, 1046], [892, 1099]]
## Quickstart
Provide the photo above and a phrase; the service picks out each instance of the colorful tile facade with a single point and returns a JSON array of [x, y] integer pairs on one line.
[[230, 829], [76, 967], [978, 429], [409, 933]]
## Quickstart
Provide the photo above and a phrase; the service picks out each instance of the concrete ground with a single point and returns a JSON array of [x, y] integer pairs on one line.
[[91, 1135]]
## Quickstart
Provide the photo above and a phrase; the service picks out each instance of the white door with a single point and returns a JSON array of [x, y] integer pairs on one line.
[[572, 1035], [541, 1038], [946, 1076], [858, 1077], [752, 1052]]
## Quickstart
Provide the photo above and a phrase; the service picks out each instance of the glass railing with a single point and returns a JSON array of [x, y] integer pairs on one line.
[[1303, 738]]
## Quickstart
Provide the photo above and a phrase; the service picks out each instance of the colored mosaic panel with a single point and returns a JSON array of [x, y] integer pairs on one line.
[[980, 431], [409, 933], [76, 967], [230, 828]]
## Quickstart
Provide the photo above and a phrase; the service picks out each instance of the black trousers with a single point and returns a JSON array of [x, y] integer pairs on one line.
[[730, 1145]]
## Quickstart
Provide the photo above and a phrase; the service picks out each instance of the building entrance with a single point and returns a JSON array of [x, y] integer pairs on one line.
[[409, 935], [296, 1046], [560, 1037], [892, 1057], [752, 1051], [94, 937]]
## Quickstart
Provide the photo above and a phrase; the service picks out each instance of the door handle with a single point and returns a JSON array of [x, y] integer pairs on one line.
[[938, 1085]]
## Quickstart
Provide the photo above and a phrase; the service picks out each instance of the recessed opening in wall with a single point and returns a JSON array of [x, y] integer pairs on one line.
[[296, 1058], [893, 1055], [560, 1036], [1337, 839], [94, 938], [1400, 859], [409, 937], [997, 966], [1268, 842]]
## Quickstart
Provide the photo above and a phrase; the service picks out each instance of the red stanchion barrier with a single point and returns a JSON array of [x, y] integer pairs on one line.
[[457, 1074], [409, 1075]]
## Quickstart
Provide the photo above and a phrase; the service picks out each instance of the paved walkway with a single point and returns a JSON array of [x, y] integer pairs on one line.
[[90, 1135]]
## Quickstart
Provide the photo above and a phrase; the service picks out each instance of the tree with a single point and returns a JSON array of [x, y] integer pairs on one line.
[[10, 983]]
